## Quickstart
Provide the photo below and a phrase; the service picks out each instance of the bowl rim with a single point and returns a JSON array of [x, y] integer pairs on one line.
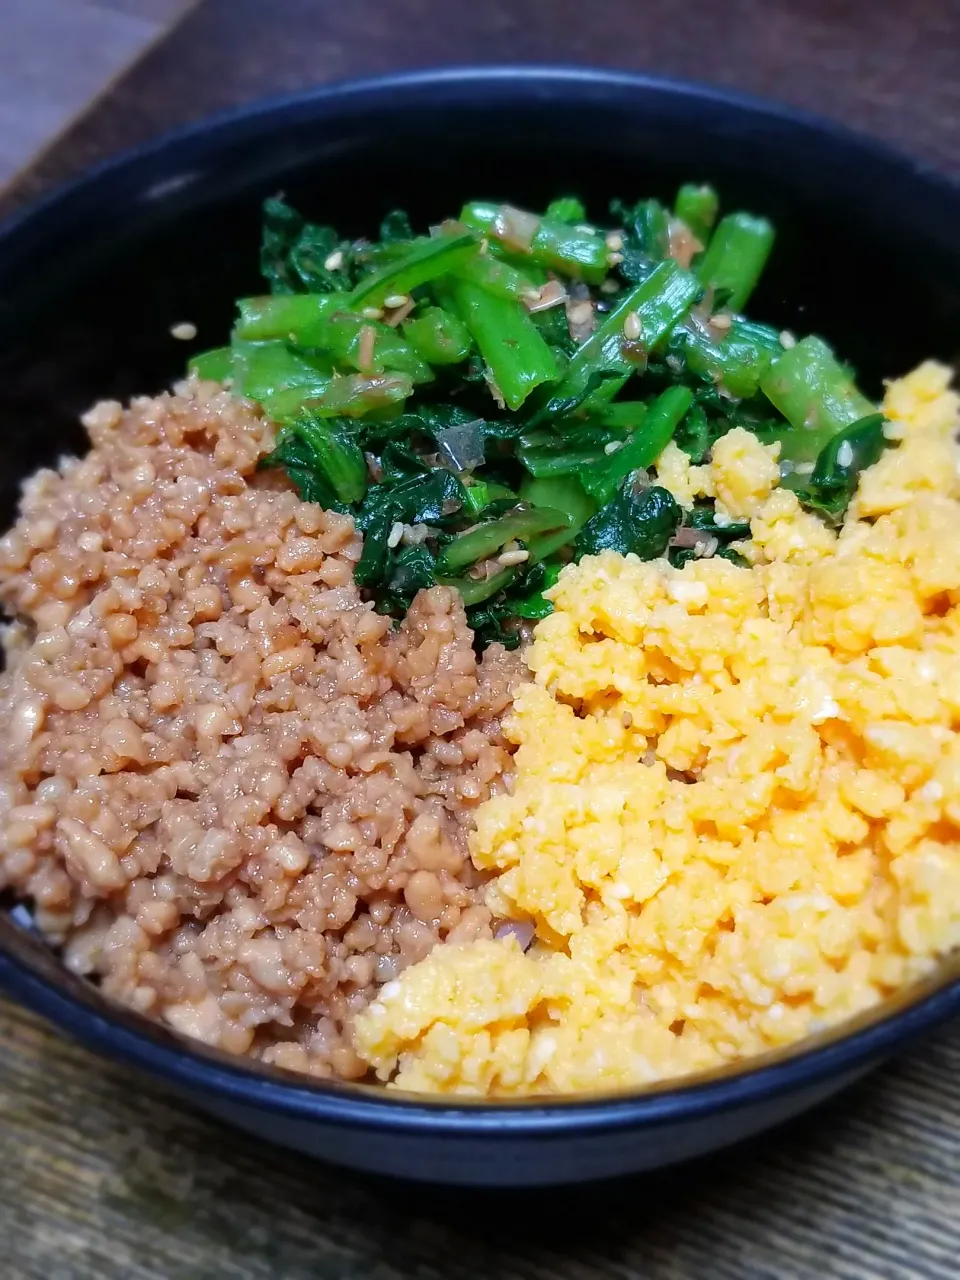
[[193, 1067]]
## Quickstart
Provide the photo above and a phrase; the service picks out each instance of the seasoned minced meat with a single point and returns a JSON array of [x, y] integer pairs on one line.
[[232, 791]]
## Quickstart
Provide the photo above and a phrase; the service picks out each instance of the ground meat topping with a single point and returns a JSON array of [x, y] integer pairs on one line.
[[233, 792]]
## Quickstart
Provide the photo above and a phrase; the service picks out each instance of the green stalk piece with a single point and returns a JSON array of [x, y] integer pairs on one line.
[[817, 396], [550, 242], [476, 590], [486, 539], [517, 357], [497, 277], [658, 303], [564, 494], [273, 375], [344, 339], [429, 259], [697, 206], [643, 447], [737, 361], [438, 337], [215, 365], [298, 317], [478, 495], [566, 209], [736, 256], [356, 395]]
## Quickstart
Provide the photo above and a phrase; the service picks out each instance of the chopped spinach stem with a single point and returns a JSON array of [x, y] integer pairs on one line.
[[489, 398]]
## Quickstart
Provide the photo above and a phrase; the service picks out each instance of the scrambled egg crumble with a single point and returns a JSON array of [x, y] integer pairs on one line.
[[737, 798]]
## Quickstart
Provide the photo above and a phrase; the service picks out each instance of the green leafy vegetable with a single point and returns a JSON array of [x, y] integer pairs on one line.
[[646, 237], [517, 358], [425, 261], [485, 540], [215, 365], [395, 227], [643, 447], [738, 252], [697, 206], [438, 337], [658, 304], [486, 402], [638, 519], [836, 472], [552, 243], [294, 254], [817, 396], [566, 209]]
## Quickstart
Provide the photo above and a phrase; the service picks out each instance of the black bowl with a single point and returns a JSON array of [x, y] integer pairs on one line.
[[91, 280]]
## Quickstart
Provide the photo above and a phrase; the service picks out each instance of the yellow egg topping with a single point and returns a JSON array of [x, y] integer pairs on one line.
[[737, 798]]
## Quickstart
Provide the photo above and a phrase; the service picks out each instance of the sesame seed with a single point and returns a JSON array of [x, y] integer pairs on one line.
[[610, 286], [334, 262], [614, 259], [508, 558], [372, 313], [787, 339], [183, 331], [845, 454], [580, 313], [626, 719], [632, 327], [395, 300], [396, 533], [399, 314], [614, 241], [611, 446], [722, 321], [414, 534]]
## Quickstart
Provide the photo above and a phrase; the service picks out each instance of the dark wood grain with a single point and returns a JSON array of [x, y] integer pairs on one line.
[[889, 69], [102, 1174]]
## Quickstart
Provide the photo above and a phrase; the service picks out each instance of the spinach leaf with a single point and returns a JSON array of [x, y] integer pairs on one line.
[[554, 330], [494, 621], [645, 237], [432, 497], [406, 573], [642, 521], [398, 463], [313, 488], [679, 556], [531, 603], [851, 451], [395, 226], [702, 516], [370, 567], [294, 252], [491, 624], [728, 553], [558, 408], [323, 460], [696, 435], [836, 471]]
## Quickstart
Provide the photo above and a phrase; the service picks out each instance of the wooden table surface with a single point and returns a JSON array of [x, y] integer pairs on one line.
[[102, 1174]]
